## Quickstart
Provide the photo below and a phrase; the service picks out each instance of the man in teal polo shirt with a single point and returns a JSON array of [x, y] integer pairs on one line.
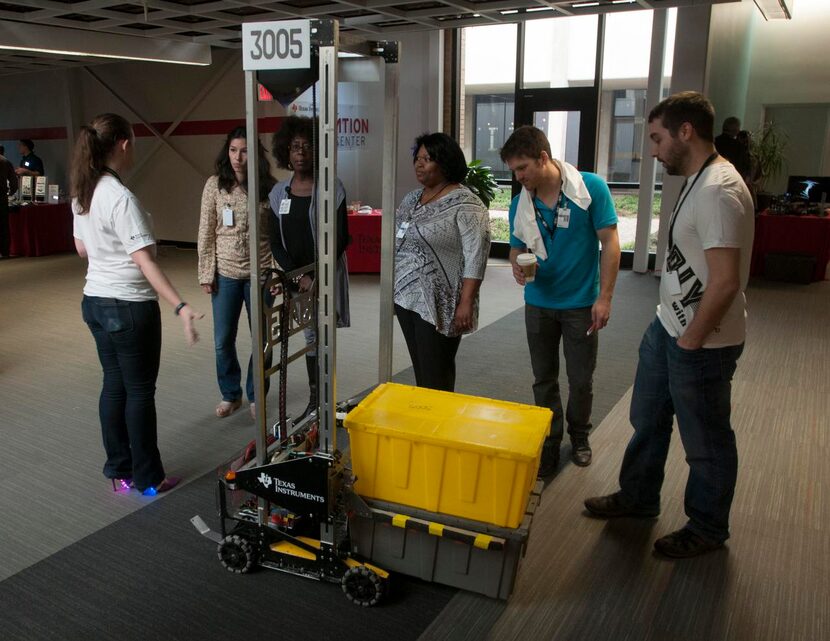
[[562, 216]]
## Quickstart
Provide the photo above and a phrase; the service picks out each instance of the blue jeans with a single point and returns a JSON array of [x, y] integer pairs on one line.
[[696, 386], [227, 299], [128, 337], [545, 329]]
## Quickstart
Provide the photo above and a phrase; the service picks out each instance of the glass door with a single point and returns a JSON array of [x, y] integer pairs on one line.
[[562, 131], [569, 119]]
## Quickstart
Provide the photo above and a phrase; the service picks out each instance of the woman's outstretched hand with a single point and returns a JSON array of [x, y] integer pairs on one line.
[[188, 316]]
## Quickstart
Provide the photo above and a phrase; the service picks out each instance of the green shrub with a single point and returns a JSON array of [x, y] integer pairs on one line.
[[501, 201], [499, 229], [626, 204]]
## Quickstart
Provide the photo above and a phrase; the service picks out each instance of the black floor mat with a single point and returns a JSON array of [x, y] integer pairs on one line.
[[152, 577]]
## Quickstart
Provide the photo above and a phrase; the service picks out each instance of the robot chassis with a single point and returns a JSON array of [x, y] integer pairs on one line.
[[284, 502]]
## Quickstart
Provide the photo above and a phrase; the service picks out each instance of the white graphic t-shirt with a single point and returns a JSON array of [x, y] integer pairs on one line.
[[717, 212]]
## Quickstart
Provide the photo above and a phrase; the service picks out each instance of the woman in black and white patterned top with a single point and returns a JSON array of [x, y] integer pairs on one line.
[[442, 243]]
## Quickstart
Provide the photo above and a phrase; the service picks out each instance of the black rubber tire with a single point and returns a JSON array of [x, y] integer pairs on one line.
[[362, 586], [236, 554]]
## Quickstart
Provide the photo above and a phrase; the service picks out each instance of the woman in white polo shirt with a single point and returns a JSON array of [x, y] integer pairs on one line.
[[120, 303]]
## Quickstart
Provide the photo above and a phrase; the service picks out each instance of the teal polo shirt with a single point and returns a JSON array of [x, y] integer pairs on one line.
[[569, 278]]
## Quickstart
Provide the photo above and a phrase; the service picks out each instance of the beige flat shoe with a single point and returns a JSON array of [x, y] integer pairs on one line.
[[226, 408], [252, 410]]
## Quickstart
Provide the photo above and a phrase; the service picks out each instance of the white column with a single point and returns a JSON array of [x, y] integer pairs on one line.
[[647, 165], [691, 47]]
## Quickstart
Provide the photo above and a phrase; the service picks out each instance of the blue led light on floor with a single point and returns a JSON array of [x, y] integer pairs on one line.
[[150, 491]]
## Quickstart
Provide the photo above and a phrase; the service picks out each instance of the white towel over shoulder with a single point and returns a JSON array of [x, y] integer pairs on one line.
[[525, 227]]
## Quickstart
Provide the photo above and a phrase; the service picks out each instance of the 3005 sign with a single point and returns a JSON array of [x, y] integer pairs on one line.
[[276, 45]]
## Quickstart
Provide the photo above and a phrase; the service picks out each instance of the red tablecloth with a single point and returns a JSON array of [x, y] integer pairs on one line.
[[38, 230], [363, 253], [796, 234]]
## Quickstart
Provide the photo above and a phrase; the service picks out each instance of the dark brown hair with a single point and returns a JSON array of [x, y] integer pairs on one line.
[[686, 106], [528, 141], [292, 127], [94, 144], [227, 177]]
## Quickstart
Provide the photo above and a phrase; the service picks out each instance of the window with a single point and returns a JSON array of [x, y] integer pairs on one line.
[[623, 115], [493, 125], [560, 52], [488, 84]]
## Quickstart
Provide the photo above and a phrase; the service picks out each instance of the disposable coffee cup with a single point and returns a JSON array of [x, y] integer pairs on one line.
[[528, 264]]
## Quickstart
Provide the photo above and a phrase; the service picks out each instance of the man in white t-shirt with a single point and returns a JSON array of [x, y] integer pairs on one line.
[[690, 351]]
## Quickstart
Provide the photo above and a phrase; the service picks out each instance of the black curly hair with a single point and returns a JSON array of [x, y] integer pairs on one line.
[[446, 153], [292, 127]]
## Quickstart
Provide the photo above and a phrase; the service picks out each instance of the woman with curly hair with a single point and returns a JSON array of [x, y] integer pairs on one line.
[[224, 259], [293, 227], [442, 244]]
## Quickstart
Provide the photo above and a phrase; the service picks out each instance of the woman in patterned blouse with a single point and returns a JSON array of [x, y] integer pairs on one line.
[[224, 259], [442, 244]]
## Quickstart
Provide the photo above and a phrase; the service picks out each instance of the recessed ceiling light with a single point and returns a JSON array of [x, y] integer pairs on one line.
[[775, 9], [15, 36]]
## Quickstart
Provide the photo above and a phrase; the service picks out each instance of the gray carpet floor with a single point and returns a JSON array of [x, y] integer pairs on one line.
[[68, 543]]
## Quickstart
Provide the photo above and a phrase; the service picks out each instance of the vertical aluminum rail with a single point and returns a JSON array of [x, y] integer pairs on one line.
[[257, 329], [387, 233], [327, 244]]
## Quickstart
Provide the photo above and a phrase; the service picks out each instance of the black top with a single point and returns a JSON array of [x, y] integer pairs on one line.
[[296, 227], [32, 163], [734, 151], [8, 181]]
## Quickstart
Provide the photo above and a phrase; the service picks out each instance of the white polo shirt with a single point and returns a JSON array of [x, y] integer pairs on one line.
[[115, 226]]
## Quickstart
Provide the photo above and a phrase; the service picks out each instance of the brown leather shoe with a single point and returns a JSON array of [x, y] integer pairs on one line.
[[581, 452], [549, 461], [684, 544], [613, 505]]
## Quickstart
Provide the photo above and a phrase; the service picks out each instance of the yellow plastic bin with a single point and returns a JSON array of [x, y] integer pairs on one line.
[[466, 456]]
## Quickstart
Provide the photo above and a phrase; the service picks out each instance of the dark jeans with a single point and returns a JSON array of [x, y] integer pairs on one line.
[[227, 299], [128, 337], [696, 386], [432, 353], [545, 327]]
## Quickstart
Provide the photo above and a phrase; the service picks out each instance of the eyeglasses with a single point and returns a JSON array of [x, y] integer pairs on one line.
[[423, 159], [298, 148]]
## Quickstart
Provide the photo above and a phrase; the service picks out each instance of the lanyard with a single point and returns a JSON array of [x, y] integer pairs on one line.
[[559, 204], [112, 173], [682, 200]]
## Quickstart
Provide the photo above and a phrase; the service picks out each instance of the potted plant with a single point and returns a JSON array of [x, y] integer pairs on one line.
[[481, 182], [766, 148]]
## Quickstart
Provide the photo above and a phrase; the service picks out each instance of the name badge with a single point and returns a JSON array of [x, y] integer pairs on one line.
[[227, 217], [563, 217], [285, 206], [402, 230], [672, 280]]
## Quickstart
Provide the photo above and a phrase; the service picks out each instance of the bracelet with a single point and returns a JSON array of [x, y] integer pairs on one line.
[[179, 307]]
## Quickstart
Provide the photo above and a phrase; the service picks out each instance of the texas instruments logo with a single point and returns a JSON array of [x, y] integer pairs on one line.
[[686, 307]]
